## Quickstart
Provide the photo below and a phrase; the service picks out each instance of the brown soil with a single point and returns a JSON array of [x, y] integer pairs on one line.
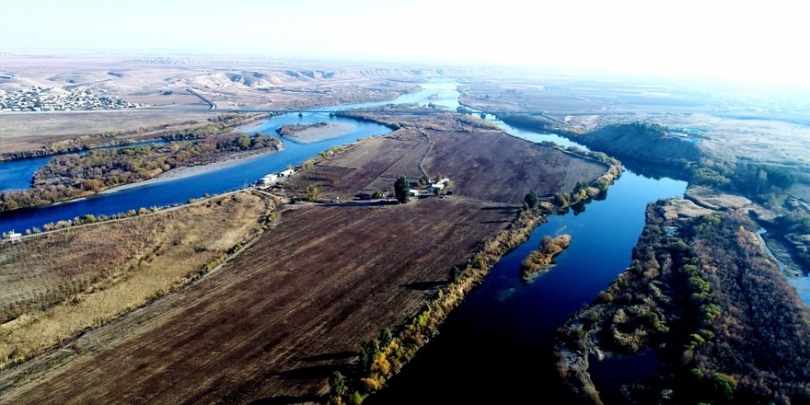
[[58, 285], [280, 318], [486, 165]]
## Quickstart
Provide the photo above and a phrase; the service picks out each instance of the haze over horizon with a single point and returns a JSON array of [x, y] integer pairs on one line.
[[741, 41]]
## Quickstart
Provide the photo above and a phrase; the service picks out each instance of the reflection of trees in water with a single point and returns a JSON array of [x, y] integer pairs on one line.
[[579, 207], [654, 171]]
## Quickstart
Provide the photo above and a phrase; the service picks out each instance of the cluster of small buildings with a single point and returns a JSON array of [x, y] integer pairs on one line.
[[42, 99], [432, 188], [273, 178]]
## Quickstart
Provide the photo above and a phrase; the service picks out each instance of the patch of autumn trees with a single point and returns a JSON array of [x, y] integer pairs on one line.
[[71, 176]]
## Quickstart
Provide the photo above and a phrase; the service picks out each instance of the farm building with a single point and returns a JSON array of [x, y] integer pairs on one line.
[[439, 184], [269, 179]]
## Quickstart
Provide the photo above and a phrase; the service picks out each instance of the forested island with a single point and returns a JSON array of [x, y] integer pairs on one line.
[[540, 260], [71, 176], [286, 130]]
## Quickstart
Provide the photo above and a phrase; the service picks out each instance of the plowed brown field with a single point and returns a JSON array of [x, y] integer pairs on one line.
[[485, 165], [278, 319]]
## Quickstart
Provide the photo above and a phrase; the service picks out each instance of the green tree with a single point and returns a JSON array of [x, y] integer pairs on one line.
[[386, 337], [337, 384], [532, 199], [402, 189], [244, 141], [455, 275], [368, 352], [356, 399], [313, 193]]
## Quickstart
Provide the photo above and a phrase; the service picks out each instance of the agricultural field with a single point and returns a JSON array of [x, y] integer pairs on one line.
[[510, 168], [278, 318], [57, 285], [25, 132]]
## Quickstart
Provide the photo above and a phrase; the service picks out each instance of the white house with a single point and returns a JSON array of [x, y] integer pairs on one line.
[[414, 193], [269, 179], [286, 173], [439, 185]]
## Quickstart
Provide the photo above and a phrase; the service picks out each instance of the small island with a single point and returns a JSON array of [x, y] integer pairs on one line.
[[319, 131], [540, 260]]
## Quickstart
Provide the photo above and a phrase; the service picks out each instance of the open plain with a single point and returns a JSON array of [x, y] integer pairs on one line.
[[277, 319]]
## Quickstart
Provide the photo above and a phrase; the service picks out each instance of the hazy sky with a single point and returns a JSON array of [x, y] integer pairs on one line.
[[760, 41]]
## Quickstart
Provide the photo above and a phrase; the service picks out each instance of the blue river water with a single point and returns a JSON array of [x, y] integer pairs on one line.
[[17, 174]]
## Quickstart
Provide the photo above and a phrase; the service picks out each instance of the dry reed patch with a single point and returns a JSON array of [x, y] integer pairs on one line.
[[83, 278]]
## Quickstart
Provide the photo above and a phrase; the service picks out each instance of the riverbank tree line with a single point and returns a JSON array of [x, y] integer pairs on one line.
[[379, 359]]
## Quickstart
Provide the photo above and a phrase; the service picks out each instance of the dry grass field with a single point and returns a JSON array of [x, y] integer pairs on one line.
[[57, 285], [22, 132]]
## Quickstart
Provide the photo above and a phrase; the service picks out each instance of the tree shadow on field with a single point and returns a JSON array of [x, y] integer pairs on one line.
[[424, 285], [331, 356], [503, 221], [288, 400], [314, 372], [503, 208]]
